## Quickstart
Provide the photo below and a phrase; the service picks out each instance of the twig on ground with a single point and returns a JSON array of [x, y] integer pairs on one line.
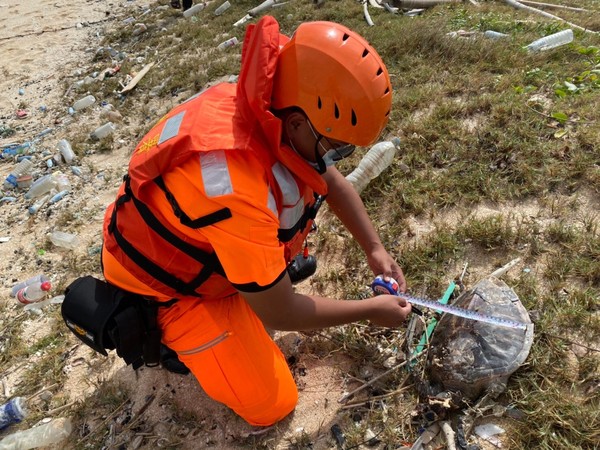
[[519, 5], [345, 397], [553, 6], [357, 403], [44, 389], [570, 341], [104, 422]]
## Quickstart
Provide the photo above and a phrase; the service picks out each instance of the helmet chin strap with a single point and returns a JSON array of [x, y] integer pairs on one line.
[[320, 165]]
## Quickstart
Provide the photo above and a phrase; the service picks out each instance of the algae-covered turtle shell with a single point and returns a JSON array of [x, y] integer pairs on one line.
[[474, 357]]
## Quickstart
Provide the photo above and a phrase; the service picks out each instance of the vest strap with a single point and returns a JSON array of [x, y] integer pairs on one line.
[[204, 221]]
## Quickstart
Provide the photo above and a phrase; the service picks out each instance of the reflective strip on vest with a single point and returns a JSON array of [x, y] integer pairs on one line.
[[272, 203], [293, 203], [215, 173], [171, 128]]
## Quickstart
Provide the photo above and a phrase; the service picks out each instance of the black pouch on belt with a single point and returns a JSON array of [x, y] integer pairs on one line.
[[105, 318]]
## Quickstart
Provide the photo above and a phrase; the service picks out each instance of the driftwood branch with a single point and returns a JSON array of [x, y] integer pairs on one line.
[[519, 5], [553, 6]]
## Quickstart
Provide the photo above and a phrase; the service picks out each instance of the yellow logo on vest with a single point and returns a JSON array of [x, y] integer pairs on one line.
[[147, 145]]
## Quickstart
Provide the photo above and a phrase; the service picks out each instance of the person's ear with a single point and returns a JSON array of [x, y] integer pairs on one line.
[[294, 122]]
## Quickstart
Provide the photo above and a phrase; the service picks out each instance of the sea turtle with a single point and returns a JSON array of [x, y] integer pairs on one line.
[[474, 357]]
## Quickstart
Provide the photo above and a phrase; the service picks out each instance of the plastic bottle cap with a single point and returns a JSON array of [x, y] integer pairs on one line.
[[46, 286]]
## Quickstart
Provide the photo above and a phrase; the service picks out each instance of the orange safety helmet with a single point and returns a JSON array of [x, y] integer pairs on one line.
[[337, 79]]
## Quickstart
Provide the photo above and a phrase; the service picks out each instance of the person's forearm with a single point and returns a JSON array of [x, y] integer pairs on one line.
[[347, 205], [313, 312]]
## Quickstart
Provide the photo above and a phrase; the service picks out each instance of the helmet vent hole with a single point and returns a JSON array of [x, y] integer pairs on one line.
[[387, 113], [365, 53], [387, 91], [380, 71], [336, 111], [345, 37], [354, 119], [319, 103]]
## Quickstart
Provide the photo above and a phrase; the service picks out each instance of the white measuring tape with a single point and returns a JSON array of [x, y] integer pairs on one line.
[[380, 286]]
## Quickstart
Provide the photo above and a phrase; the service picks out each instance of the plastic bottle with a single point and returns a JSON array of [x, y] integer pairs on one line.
[[36, 279], [22, 168], [495, 35], [34, 292], [228, 43], [84, 102], [33, 209], [221, 9], [64, 240], [552, 41], [12, 411], [58, 197], [103, 131], [194, 10], [373, 163], [66, 151], [41, 186], [43, 435]]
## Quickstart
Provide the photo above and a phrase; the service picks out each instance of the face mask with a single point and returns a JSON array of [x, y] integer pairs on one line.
[[331, 156]]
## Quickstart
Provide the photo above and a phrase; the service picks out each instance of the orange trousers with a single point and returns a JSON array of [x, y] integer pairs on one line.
[[226, 347]]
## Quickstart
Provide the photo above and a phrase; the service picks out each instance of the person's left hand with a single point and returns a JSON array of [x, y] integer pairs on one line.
[[382, 263]]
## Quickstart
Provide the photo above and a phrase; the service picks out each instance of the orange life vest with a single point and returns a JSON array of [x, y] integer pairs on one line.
[[225, 117]]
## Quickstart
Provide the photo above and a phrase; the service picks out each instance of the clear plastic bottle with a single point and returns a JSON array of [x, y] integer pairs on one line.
[[221, 9], [552, 41], [495, 35], [84, 102], [103, 131], [13, 411], [373, 163], [36, 279], [66, 151], [22, 168], [34, 292], [41, 186], [194, 10], [33, 209], [43, 435], [65, 240]]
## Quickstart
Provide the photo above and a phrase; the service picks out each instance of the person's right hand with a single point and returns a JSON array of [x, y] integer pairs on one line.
[[388, 310]]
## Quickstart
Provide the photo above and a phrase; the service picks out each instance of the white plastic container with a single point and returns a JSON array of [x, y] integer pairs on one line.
[[35, 292], [44, 435], [377, 159], [221, 9], [194, 10], [552, 41], [84, 102], [228, 43], [66, 151], [65, 240], [104, 130], [41, 186]]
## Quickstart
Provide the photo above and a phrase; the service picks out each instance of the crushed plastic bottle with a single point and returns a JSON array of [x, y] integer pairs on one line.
[[13, 411], [65, 240], [373, 163], [35, 292], [66, 151], [552, 41], [43, 435], [221, 9], [41, 186]]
